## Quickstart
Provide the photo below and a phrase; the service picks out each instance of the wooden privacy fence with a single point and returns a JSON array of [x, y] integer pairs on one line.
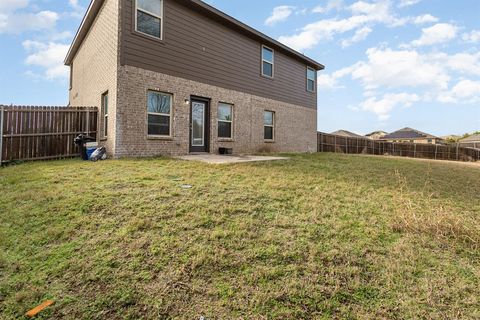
[[40, 133], [475, 145], [338, 144]]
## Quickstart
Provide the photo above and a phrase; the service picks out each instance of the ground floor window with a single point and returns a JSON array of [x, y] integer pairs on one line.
[[105, 114], [225, 120], [159, 109], [269, 125]]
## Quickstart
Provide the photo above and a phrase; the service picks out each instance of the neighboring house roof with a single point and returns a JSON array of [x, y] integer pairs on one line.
[[376, 133], [216, 14], [409, 133], [472, 138], [345, 133], [451, 137]]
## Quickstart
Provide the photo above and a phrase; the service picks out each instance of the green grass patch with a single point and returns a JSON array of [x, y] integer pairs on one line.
[[318, 236]]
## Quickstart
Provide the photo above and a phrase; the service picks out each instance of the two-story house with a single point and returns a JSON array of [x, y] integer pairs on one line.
[[412, 136], [173, 77]]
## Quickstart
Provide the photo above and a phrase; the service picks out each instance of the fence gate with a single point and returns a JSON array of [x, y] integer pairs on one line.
[[40, 133]]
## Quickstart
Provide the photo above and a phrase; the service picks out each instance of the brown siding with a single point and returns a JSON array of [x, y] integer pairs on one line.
[[198, 48]]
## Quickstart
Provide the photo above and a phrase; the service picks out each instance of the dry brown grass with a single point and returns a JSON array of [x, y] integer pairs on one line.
[[419, 212]]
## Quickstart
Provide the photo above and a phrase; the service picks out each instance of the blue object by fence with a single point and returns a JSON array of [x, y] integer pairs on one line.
[[90, 150]]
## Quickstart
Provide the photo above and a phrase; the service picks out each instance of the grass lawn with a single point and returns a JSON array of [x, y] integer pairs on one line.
[[316, 237]]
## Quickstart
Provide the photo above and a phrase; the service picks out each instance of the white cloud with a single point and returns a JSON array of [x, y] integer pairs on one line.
[[473, 36], [439, 33], [7, 6], [466, 91], [326, 81], [382, 107], [48, 56], [407, 3], [363, 14], [387, 68], [464, 63], [74, 4], [279, 14], [429, 73], [360, 35], [424, 19], [78, 10], [63, 35], [405, 68], [331, 5], [21, 22]]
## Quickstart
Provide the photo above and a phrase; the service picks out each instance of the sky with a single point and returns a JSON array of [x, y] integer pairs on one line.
[[389, 63]]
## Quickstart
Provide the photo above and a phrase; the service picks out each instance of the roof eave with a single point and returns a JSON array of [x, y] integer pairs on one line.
[[83, 29]]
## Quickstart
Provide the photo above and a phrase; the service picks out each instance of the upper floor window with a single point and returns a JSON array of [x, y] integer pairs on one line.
[[267, 62], [159, 110], [149, 17], [311, 79]]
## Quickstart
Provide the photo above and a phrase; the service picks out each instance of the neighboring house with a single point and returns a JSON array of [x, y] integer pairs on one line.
[[179, 76], [412, 136], [348, 134], [376, 135], [451, 138], [472, 141]]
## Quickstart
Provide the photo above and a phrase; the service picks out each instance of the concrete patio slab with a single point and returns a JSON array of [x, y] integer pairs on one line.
[[221, 159]]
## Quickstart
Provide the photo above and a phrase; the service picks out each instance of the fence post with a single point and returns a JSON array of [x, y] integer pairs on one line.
[[457, 152], [335, 146], [436, 150], [321, 140], [2, 117], [88, 122], [414, 150]]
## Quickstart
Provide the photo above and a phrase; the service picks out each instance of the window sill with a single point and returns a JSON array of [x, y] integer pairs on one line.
[[146, 36], [226, 140], [104, 139], [267, 77], [269, 141], [166, 138]]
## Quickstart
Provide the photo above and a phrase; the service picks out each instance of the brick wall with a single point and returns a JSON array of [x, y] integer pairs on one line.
[[295, 127], [95, 67]]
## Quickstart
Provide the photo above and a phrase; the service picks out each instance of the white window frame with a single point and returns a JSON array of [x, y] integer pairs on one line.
[[268, 125], [226, 121], [71, 77], [272, 62], [105, 114], [152, 14], [314, 79], [169, 115]]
